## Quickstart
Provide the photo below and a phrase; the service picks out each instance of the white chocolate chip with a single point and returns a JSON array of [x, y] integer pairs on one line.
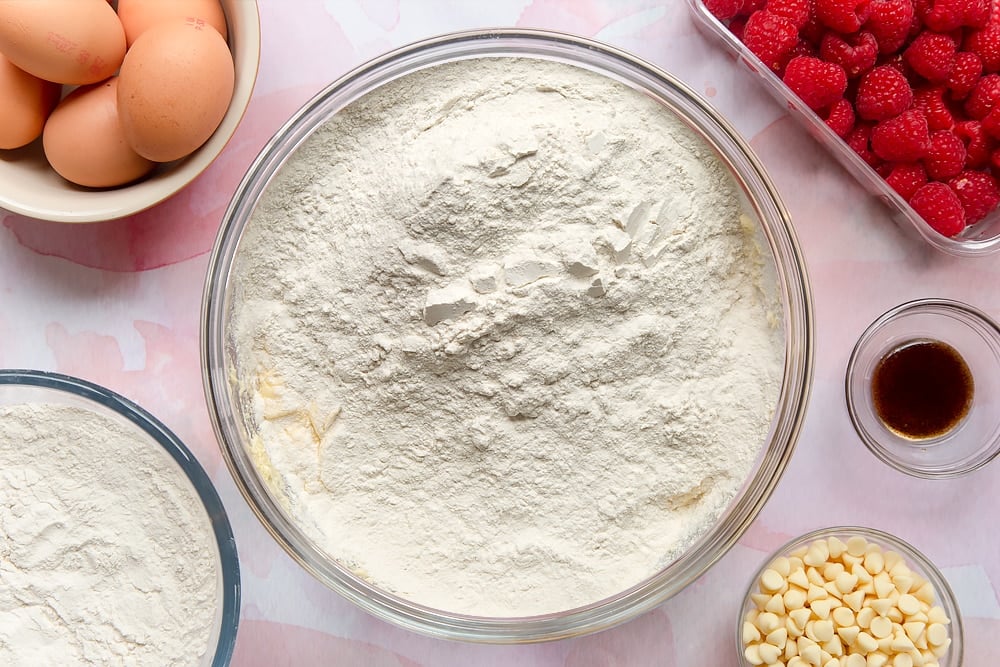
[[866, 642], [856, 545], [771, 581], [777, 637], [908, 604], [880, 627], [768, 653], [937, 634], [752, 654], [751, 633]]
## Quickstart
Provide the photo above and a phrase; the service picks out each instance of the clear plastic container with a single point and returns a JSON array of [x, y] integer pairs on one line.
[[231, 416], [28, 386], [980, 239], [917, 562]]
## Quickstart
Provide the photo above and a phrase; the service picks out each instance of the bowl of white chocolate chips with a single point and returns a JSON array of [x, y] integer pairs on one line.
[[849, 597]]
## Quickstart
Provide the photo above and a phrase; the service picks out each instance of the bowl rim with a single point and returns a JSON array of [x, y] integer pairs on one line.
[[945, 595], [186, 170], [931, 305], [792, 280], [229, 566]]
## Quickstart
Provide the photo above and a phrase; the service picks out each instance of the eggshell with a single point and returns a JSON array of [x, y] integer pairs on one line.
[[65, 41], [84, 142], [175, 87], [137, 16], [25, 103]]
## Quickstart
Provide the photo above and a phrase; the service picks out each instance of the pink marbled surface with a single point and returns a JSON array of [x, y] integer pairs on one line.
[[118, 303]]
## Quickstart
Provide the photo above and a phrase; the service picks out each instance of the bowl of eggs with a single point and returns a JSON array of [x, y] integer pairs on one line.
[[108, 108]]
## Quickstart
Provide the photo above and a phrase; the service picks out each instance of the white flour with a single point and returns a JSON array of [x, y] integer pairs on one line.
[[510, 345], [106, 555]]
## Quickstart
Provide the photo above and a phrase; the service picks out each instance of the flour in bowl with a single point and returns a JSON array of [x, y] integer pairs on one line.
[[510, 345]]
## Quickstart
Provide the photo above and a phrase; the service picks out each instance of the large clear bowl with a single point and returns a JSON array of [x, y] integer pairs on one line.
[[19, 387], [761, 204]]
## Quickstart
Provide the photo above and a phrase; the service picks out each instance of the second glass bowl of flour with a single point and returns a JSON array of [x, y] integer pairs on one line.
[[507, 336]]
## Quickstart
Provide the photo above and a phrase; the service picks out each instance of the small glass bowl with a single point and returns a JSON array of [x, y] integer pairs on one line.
[[918, 563], [975, 440], [30, 386]]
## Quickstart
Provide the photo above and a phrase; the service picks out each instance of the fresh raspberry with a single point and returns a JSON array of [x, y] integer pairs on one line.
[[932, 56], [930, 100], [985, 43], [964, 75], [801, 48], [945, 15], [844, 16], [883, 93], [995, 160], [737, 26], [978, 192], [904, 138], [770, 38], [855, 53], [940, 207], [859, 139], [818, 83], [840, 117], [906, 178], [991, 123], [814, 29], [751, 6], [796, 11], [983, 97], [724, 9], [889, 21], [978, 146], [946, 156]]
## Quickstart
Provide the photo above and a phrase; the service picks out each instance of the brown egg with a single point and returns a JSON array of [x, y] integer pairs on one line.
[[137, 16], [84, 142], [65, 41], [25, 103], [174, 89]]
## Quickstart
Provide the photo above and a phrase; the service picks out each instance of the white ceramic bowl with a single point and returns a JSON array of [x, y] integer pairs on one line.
[[29, 186]]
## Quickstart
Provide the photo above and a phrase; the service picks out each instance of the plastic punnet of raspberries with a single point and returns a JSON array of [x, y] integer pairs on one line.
[[912, 86]]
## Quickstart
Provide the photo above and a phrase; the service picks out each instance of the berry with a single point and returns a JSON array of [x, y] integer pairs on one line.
[[983, 97], [814, 29], [906, 178], [859, 139], [946, 156], [751, 6], [818, 83], [932, 56], [938, 204], [978, 192], [770, 38], [883, 93], [904, 138], [964, 75], [931, 101], [796, 11], [737, 26], [991, 123], [985, 43], [844, 16], [978, 146], [945, 15], [840, 117], [889, 21], [724, 9], [855, 53]]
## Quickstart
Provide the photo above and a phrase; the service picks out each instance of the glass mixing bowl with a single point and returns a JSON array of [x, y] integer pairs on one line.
[[760, 203]]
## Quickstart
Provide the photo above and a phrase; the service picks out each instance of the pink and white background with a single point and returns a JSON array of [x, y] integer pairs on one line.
[[118, 303]]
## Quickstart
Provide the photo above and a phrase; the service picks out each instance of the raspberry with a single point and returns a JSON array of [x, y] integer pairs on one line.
[[801, 48], [844, 16], [796, 11], [813, 30], [985, 43], [751, 6], [770, 38], [883, 93], [940, 207], [978, 193], [855, 53], [945, 15], [983, 97], [932, 56], [889, 21], [840, 117], [859, 139], [991, 124], [946, 156], [904, 138], [964, 75], [931, 101], [818, 83], [995, 160], [736, 26], [978, 146], [724, 9], [906, 178]]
